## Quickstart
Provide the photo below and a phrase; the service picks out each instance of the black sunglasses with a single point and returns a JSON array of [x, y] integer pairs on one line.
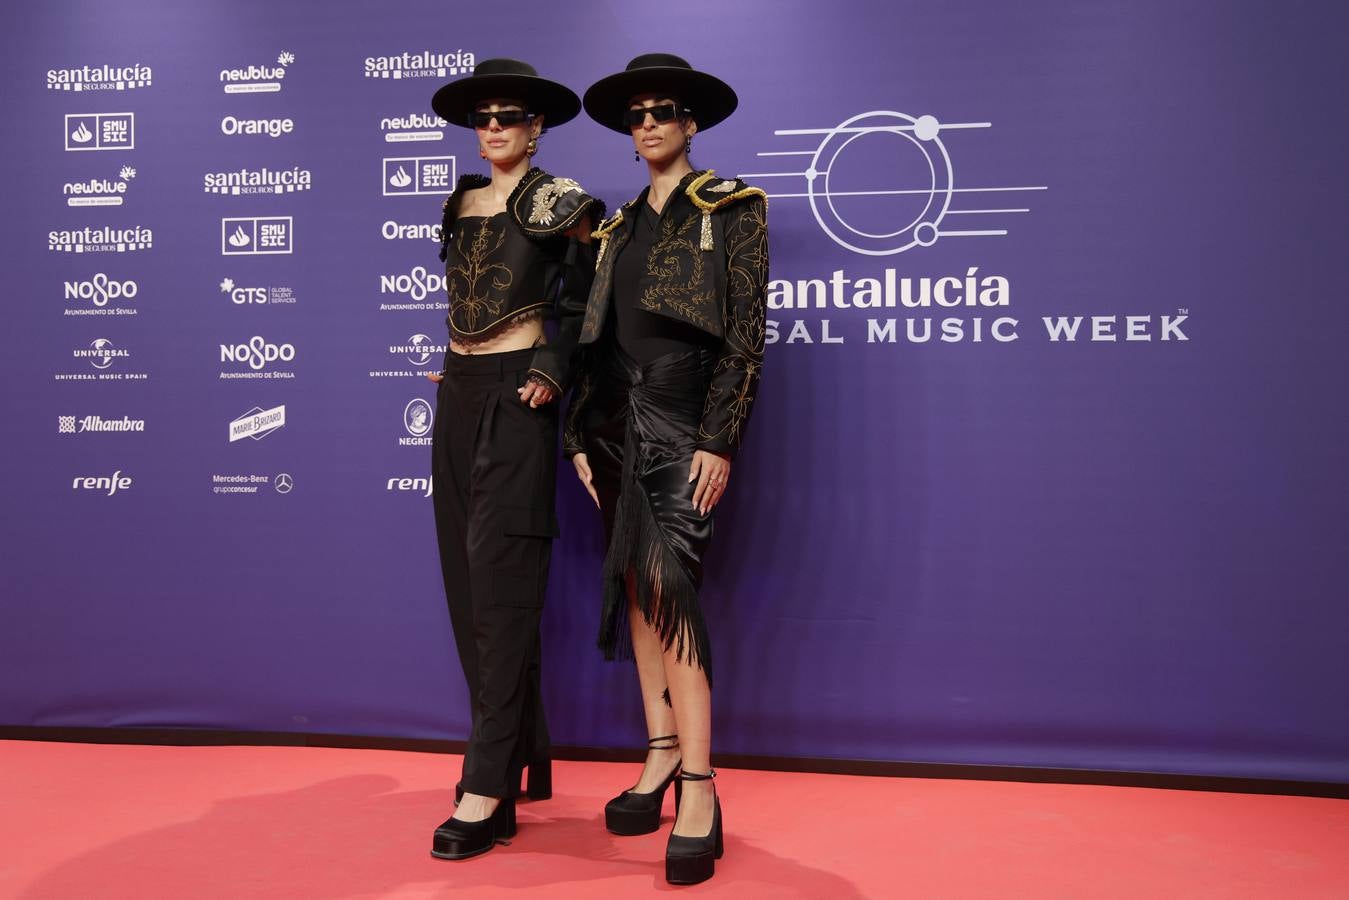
[[665, 112], [505, 118]]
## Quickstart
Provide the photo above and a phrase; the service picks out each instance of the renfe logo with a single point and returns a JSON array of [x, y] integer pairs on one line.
[[110, 483], [410, 485]]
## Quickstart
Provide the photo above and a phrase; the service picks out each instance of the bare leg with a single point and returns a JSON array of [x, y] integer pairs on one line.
[[693, 711], [660, 718]]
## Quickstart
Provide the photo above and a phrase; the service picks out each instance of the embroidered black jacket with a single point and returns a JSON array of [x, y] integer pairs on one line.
[[504, 269], [709, 268]]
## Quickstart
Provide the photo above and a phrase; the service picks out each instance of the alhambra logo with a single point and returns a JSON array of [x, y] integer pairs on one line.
[[99, 78], [256, 79], [100, 191], [423, 64], [258, 181], [97, 425]]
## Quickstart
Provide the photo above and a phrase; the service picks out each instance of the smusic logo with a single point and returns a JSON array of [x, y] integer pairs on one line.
[[100, 131], [257, 79], [98, 192], [408, 176], [256, 236], [427, 64], [258, 181], [99, 78]]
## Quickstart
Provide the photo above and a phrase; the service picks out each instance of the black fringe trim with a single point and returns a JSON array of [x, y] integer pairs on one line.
[[666, 595]]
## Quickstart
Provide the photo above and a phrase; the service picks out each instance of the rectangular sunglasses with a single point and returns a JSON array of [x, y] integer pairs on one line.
[[505, 118], [662, 113]]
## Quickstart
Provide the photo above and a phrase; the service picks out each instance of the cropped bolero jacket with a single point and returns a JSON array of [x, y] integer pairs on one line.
[[521, 264], [707, 267]]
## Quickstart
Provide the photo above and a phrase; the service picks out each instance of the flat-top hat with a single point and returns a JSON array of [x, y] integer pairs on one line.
[[506, 78], [708, 98]]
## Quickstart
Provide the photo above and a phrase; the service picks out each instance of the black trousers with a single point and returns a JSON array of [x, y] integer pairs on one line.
[[494, 469]]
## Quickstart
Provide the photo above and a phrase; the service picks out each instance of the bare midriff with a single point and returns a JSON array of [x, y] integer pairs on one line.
[[520, 334]]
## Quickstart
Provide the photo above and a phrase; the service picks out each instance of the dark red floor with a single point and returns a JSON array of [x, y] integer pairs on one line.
[[88, 821]]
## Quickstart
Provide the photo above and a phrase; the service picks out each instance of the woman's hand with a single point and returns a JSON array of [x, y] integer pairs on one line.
[[583, 472], [712, 473], [535, 393], [435, 377]]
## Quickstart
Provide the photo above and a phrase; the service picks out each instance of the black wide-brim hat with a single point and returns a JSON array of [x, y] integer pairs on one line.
[[506, 78], [708, 98]]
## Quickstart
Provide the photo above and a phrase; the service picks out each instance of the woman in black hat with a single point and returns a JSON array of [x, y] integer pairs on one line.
[[516, 251], [673, 344]]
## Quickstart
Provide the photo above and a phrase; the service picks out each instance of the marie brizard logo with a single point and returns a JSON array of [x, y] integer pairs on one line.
[[917, 207]]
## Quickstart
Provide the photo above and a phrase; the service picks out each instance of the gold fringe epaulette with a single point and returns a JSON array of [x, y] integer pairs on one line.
[[605, 229], [710, 193]]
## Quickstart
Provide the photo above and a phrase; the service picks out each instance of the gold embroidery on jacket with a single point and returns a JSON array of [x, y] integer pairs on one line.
[[469, 300], [546, 197], [676, 266]]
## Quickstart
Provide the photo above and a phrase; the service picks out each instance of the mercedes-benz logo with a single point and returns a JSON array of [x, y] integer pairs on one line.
[[283, 483]]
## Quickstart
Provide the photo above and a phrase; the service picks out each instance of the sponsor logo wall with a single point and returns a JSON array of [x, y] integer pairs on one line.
[[995, 397]]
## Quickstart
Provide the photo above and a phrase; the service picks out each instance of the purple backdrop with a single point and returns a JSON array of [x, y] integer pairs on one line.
[[1114, 554]]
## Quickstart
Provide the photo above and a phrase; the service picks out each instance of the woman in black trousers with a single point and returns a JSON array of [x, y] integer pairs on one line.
[[516, 250], [673, 344]]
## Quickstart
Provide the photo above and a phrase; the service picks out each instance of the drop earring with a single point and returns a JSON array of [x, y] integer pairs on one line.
[[688, 145], [636, 157], [482, 153], [532, 147]]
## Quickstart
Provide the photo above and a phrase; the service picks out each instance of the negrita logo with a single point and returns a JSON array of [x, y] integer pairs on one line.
[[100, 131], [425, 64], [408, 176], [99, 192], [255, 79], [99, 78], [417, 418]]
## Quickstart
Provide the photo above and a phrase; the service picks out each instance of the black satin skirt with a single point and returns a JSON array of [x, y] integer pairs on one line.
[[641, 430]]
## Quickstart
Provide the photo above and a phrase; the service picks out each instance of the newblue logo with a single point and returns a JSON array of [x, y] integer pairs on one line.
[[415, 127], [408, 176], [255, 79], [99, 192], [100, 131]]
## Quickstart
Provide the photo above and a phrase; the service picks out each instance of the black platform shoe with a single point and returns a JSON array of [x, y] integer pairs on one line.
[[538, 786], [690, 860], [631, 813], [460, 840]]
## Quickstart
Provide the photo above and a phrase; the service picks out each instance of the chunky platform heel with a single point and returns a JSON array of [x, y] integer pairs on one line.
[[631, 813], [538, 785], [691, 860], [462, 840]]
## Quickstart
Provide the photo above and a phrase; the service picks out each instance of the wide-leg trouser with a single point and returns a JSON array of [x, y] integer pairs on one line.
[[494, 469]]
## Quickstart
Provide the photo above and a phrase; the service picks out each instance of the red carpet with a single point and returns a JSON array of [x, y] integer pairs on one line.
[[87, 821]]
